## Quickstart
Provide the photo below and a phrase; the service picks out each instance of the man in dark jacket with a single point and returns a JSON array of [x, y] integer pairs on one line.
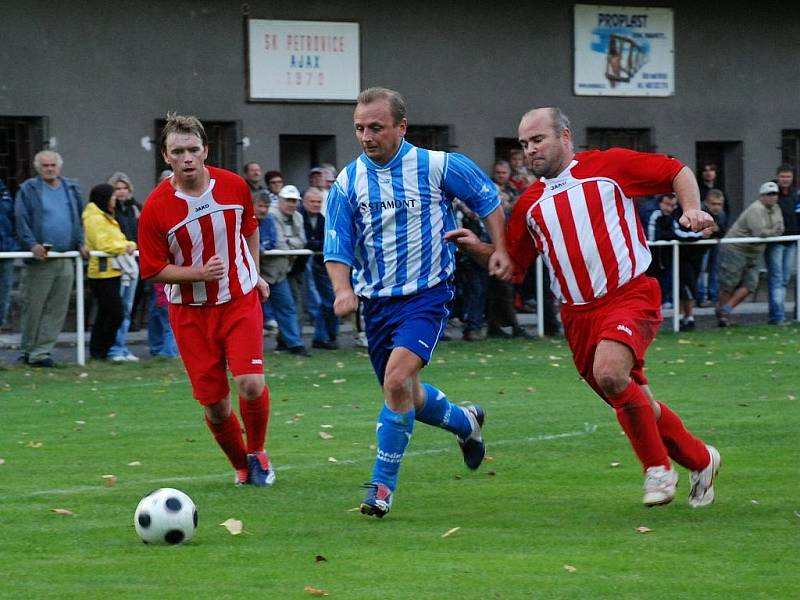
[[326, 323], [47, 212], [780, 256], [8, 243]]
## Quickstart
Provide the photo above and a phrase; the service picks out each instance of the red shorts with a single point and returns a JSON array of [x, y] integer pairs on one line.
[[212, 339], [630, 315]]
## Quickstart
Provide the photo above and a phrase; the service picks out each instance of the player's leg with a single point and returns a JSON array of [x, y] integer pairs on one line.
[[240, 325], [205, 364], [394, 428], [701, 459]]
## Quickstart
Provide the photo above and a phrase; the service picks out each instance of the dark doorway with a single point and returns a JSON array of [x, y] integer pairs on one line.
[[729, 159], [20, 139], [604, 138], [300, 153], [432, 137]]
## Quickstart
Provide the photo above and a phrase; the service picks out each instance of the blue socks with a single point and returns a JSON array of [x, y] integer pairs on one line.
[[394, 433], [440, 412]]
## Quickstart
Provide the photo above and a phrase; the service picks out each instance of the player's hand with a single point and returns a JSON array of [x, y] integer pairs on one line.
[[500, 265], [465, 239], [696, 220], [214, 269], [263, 289], [346, 303]]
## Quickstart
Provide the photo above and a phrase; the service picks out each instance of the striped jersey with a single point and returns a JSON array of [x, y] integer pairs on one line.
[[184, 230], [388, 221], [584, 222]]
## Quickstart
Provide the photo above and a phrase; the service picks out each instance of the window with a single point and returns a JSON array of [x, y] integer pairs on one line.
[[300, 153], [20, 139], [603, 139], [432, 137], [790, 150], [224, 145]]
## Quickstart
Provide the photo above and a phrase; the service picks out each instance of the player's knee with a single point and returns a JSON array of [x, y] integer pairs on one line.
[[611, 381], [397, 384], [250, 388]]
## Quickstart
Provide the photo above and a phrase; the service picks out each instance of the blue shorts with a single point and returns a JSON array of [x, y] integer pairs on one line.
[[415, 322]]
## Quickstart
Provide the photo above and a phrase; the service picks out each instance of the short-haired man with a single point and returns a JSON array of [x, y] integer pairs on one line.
[[198, 234], [780, 256], [252, 175], [708, 281], [47, 212], [326, 323], [386, 217], [8, 243], [289, 235], [580, 216], [739, 263]]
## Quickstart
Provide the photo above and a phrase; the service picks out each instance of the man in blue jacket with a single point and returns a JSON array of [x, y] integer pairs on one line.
[[47, 211], [8, 243]]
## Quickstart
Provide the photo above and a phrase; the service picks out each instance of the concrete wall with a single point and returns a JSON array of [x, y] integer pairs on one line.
[[104, 71]]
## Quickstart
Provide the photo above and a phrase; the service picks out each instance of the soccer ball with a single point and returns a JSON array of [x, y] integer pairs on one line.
[[165, 516]]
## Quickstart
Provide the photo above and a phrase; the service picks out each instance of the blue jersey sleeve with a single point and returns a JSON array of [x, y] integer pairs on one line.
[[464, 180], [339, 227]]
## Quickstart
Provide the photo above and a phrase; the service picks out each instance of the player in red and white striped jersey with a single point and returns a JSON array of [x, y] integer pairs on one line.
[[580, 216], [198, 233]]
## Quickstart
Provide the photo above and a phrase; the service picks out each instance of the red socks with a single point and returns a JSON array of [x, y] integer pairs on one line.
[[255, 414], [639, 423], [683, 447], [228, 435]]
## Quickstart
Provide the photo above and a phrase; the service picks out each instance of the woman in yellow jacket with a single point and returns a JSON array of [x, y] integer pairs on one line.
[[103, 233]]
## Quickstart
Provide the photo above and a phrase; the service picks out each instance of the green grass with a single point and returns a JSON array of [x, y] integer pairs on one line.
[[547, 499]]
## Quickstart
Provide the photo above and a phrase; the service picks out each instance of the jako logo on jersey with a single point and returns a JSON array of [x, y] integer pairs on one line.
[[203, 207], [625, 329], [558, 185], [256, 361]]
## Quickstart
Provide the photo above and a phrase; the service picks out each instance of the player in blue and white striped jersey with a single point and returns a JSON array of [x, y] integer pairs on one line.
[[386, 217]]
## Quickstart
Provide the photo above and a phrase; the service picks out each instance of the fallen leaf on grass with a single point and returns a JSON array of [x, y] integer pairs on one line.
[[569, 568], [80, 422], [34, 444], [83, 375], [134, 463], [312, 591], [2, 461], [320, 558], [325, 435], [234, 526], [790, 397], [614, 465], [755, 501], [110, 480], [112, 415], [338, 381], [450, 532], [356, 509], [797, 513], [62, 511], [326, 426], [488, 458], [684, 341], [710, 363], [643, 530]]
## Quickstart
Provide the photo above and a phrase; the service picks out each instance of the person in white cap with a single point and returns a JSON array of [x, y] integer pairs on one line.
[[739, 263]]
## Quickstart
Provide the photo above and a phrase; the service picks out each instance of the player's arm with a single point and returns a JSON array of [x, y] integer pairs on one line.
[[464, 180], [338, 250], [685, 186], [345, 302], [211, 271], [254, 246]]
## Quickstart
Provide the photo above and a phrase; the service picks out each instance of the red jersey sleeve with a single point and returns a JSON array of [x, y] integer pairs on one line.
[[638, 173], [249, 221], [153, 249], [519, 241]]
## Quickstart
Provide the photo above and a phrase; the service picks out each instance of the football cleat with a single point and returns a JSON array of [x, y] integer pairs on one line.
[[241, 477], [701, 492], [260, 468], [473, 447], [659, 486], [378, 500]]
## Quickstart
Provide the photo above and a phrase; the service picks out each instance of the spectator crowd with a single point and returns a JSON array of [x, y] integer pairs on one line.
[[48, 213]]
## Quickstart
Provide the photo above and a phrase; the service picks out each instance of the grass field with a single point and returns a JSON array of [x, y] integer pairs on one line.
[[547, 517]]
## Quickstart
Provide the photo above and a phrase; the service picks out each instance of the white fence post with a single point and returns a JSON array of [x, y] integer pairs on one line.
[[80, 326]]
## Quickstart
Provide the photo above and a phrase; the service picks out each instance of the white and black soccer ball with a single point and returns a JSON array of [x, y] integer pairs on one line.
[[165, 516]]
